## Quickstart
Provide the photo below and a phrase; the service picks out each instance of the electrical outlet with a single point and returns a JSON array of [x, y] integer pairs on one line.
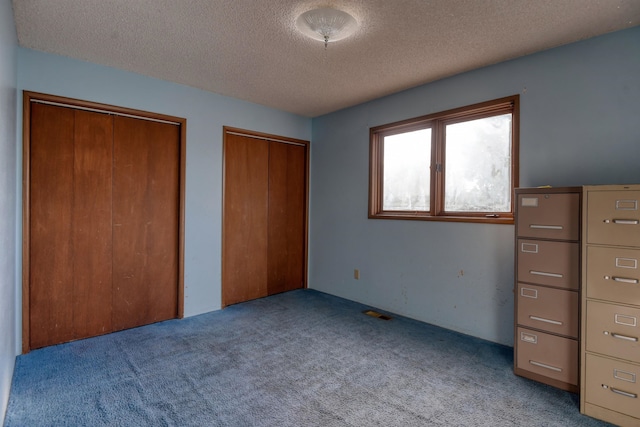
[[356, 274]]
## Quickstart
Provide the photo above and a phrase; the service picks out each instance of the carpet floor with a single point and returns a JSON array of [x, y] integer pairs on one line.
[[301, 358]]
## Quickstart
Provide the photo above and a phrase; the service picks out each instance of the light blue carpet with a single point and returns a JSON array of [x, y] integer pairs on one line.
[[302, 358]]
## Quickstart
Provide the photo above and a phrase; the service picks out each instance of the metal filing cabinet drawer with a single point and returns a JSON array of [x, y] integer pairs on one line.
[[549, 216], [548, 355], [614, 218], [549, 263], [552, 310], [613, 330], [613, 384], [613, 274]]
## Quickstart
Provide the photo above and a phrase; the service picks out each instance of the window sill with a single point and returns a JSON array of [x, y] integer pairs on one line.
[[419, 216]]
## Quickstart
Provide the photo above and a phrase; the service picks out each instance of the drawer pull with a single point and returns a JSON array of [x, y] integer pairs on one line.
[[623, 393], [543, 365], [543, 273], [621, 337], [542, 319], [546, 227], [623, 279], [625, 221], [624, 337]]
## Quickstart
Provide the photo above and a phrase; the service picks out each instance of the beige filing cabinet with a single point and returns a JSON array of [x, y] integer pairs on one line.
[[547, 296], [610, 374]]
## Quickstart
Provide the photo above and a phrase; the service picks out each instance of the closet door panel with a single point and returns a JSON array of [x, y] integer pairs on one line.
[[91, 232], [287, 201], [145, 221], [246, 188], [51, 207]]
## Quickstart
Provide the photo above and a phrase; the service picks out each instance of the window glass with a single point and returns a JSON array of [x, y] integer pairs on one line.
[[478, 165], [407, 162]]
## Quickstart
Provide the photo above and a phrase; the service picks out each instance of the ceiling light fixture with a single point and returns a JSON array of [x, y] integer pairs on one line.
[[326, 24]]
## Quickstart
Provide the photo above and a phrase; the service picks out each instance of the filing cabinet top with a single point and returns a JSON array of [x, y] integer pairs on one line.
[[617, 187], [542, 190]]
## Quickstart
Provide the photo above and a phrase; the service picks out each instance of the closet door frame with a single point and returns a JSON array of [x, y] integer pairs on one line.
[[27, 98], [268, 138]]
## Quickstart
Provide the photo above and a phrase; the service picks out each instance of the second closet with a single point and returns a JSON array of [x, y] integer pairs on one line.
[[264, 242]]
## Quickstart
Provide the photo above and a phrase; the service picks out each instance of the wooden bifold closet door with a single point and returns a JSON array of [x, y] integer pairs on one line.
[[70, 233], [145, 222], [103, 229], [264, 215], [287, 217]]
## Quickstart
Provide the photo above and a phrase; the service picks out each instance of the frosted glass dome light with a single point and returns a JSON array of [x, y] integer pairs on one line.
[[326, 24]]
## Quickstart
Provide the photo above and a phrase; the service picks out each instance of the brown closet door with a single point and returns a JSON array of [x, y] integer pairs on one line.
[[51, 254], [244, 241], [70, 234], [287, 213], [145, 221], [91, 224]]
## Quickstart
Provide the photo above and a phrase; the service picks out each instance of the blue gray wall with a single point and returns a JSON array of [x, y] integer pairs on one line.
[[580, 124], [8, 190], [206, 114]]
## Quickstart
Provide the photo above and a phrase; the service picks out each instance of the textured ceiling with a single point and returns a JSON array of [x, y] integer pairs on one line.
[[251, 50]]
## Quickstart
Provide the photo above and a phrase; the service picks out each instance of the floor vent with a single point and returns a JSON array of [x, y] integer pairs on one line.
[[376, 314]]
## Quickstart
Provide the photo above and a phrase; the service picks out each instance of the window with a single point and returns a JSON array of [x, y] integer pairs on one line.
[[458, 165]]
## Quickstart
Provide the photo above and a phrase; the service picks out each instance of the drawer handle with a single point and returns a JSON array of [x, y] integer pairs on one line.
[[624, 337], [546, 227], [623, 279], [623, 221], [621, 337], [543, 365], [542, 319], [543, 273], [620, 392]]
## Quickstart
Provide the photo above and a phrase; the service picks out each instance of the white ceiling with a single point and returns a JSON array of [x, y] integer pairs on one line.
[[251, 50]]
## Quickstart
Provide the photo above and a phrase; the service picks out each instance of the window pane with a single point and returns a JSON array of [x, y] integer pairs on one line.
[[478, 165], [407, 160]]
